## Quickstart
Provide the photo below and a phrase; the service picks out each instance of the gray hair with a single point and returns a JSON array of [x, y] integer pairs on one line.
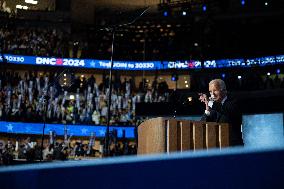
[[220, 83]]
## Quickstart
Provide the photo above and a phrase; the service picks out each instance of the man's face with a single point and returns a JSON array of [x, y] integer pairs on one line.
[[216, 93]]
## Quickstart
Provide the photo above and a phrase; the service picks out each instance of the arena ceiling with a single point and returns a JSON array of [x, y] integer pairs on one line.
[[88, 10], [240, 26]]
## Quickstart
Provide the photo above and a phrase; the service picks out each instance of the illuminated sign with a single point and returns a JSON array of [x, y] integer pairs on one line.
[[251, 62], [142, 65], [263, 61], [210, 64], [74, 130], [13, 58], [279, 59], [60, 61], [230, 63], [126, 65], [184, 64]]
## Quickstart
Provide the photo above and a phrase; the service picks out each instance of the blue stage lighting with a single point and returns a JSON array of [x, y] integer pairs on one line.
[[165, 13], [278, 71], [204, 8], [223, 75], [174, 77], [243, 2]]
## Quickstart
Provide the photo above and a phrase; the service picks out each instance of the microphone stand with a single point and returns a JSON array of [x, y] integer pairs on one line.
[[175, 95], [113, 29], [44, 99], [44, 110], [4, 60], [106, 149]]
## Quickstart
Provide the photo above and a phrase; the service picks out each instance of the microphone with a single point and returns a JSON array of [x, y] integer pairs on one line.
[[211, 101], [211, 98]]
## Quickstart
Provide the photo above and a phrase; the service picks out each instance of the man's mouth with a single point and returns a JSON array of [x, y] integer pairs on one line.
[[212, 98]]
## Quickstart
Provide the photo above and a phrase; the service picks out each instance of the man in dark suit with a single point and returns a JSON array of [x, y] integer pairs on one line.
[[221, 108]]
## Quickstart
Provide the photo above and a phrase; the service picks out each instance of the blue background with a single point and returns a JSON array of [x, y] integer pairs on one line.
[[74, 130]]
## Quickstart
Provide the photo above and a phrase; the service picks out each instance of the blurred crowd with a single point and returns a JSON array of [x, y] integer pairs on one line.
[[245, 80], [33, 97], [36, 41], [28, 149], [151, 41]]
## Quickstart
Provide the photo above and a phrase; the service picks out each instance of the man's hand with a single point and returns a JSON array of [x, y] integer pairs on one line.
[[203, 98]]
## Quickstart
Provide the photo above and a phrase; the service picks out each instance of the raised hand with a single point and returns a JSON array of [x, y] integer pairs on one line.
[[203, 98]]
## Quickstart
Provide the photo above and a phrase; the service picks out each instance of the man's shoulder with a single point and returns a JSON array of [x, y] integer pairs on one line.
[[231, 103], [231, 99]]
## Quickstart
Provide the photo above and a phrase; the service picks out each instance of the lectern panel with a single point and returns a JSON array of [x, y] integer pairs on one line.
[[151, 136], [160, 135], [224, 135], [212, 139], [172, 135], [199, 135], [186, 135]]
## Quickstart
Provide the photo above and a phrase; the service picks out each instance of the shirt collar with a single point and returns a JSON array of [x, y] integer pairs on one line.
[[224, 99]]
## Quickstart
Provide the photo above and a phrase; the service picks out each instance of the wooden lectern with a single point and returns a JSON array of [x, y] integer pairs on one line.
[[159, 135]]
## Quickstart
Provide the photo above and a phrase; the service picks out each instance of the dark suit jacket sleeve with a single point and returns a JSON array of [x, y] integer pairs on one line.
[[210, 118], [230, 113], [215, 113]]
